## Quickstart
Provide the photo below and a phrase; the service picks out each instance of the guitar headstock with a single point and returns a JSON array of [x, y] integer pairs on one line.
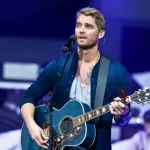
[[141, 96]]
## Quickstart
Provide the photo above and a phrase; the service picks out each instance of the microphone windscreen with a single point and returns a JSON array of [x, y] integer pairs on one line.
[[73, 37]]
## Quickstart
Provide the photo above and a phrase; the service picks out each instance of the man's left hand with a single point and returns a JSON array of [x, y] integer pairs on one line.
[[118, 108]]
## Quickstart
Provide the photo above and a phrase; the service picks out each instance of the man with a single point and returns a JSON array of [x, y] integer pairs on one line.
[[84, 64], [139, 141]]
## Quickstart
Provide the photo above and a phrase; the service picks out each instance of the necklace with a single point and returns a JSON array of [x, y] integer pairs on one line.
[[83, 84]]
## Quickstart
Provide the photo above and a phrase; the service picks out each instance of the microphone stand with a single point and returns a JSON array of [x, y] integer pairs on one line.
[[49, 102]]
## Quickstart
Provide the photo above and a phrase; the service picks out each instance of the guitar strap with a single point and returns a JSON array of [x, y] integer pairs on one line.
[[101, 83]]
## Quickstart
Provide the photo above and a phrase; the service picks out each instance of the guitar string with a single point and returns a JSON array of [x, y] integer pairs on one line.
[[82, 114], [55, 126], [89, 112]]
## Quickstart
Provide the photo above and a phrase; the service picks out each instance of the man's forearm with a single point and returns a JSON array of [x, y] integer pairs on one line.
[[27, 111]]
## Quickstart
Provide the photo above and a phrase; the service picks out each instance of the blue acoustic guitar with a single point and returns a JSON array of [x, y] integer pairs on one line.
[[71, 125]]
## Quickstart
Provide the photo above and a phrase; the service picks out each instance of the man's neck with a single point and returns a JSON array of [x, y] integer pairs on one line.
[[88, 55]]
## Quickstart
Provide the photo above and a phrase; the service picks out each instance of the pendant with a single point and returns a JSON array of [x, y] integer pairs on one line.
[[82, 87]]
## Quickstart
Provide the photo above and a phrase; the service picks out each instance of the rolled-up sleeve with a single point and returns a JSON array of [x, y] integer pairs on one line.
[[122, 120], [124, 84]]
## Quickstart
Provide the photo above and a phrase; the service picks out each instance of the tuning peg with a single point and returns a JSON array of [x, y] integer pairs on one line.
[[147, 94], [139, 100], [140, 90], [145, 88]]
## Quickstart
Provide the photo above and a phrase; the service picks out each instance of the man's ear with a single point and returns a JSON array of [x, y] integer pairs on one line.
[[101, 34]]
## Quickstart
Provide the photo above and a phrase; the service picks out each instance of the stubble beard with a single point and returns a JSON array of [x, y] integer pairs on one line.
[[87, 46]]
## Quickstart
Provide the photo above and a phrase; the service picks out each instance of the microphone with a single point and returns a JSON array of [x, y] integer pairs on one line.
[[69, 43]]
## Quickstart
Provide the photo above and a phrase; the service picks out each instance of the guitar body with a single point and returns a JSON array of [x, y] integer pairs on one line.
[[71, 125], [64, 133]]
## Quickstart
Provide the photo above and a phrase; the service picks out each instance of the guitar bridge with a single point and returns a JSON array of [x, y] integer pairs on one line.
[[46, 128], [61, 139]]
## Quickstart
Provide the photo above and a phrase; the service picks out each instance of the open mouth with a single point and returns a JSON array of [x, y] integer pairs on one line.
[[82, 37]]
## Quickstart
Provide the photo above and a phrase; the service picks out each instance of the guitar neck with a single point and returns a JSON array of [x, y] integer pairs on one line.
[[96, 113]]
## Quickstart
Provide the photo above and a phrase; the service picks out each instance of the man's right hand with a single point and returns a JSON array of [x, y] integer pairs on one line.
[[38, 135]]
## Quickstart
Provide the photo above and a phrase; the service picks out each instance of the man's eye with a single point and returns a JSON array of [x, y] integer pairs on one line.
[[78, 25], [88, 26]]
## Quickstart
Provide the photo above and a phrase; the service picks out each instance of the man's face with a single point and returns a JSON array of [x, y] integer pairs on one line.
[[147, 128], [87, 32]]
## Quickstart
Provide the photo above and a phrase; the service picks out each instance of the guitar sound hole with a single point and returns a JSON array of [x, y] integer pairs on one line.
[[66, 125]]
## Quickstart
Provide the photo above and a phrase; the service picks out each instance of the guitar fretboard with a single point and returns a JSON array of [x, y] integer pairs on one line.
[[96, 113]]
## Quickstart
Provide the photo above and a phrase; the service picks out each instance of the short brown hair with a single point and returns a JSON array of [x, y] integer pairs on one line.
[[99, 18]]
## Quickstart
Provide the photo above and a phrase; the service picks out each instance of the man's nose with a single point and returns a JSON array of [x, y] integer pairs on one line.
[[82, 30]]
